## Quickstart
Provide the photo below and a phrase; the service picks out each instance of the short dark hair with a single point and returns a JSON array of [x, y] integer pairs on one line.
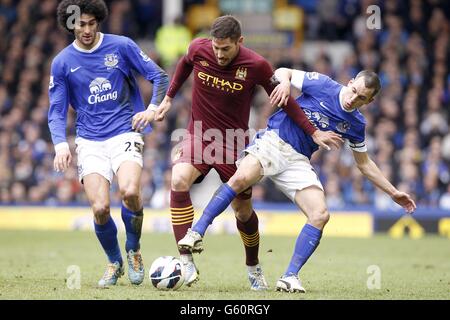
[[371, 81], [97, 8], [226, 27]]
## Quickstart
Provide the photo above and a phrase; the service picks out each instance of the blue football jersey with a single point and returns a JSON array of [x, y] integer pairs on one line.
[[100, 86], [321, 102]]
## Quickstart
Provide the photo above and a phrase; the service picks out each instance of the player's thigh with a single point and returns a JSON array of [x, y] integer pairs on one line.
[[188, 166], [125, 149], [299, 177], [189, 150], [311, 200], [129, 176], [184, 175], [271, 152], [247, 174], [93, 157], [97, 191]]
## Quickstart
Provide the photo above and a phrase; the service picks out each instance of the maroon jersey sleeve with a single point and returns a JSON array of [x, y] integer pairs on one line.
[[182, 72], [183, 69], [292, 110]]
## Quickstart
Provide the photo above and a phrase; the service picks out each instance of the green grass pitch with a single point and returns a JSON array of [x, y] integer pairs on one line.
[[34, 264]]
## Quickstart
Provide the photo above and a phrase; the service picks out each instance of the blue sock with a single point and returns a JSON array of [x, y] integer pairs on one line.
[[133, 227], [307, 242], [220, 201], [107, 235]]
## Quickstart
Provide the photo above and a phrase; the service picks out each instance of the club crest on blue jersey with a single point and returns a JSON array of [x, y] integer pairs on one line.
[[111, 60], [312, 75], [320, 119]]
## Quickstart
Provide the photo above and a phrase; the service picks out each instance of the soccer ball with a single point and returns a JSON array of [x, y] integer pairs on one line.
[[167, 273]]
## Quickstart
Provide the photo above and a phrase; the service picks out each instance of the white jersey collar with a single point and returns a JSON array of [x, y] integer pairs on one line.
[[90, 50]]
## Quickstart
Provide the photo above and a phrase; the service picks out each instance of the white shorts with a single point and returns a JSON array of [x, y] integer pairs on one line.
[[288, 169], [105, 157]]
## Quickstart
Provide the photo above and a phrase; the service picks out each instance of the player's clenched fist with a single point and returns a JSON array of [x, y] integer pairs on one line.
[[62, 159], [164, 107], [142, 119]]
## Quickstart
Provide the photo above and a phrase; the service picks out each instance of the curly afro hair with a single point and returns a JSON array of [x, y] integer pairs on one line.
[[97, 8]]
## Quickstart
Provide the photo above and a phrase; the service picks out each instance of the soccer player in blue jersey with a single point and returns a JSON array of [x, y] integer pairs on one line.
[[94, 75], [282, 153]]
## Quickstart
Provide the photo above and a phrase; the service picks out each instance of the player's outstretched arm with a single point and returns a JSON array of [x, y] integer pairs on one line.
[[370, 170], [282, 91], [182, 72], [144, 65], [163, 108], [325, 139]]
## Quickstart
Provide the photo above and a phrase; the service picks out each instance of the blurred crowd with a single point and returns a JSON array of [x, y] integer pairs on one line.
[[407, 125]]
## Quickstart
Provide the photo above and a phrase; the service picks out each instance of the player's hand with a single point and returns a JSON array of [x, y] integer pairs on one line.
[[62, 159], [164, 107], [280, 95], [327, 138], [142, 119], [405, 201]]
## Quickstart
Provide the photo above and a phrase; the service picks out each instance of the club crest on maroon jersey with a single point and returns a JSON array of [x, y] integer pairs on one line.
[[241, 73]]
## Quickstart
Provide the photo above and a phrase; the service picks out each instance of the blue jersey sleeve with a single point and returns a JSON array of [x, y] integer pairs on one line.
[[310, 83], [59, 103], [357, 140], [141, 63]]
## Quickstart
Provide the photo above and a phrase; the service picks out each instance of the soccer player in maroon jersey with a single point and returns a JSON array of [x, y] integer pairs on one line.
[[225, 77]]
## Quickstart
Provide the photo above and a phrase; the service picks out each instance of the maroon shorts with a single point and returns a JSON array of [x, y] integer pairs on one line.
[[205, 156]]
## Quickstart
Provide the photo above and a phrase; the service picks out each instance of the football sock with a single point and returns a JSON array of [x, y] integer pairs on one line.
[[185, 258], [306, 243], [250, 237], [133, 228], [220, 201], [107, 235], [182, 214]]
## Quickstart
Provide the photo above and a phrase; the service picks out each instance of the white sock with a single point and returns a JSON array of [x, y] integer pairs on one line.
[[252, 268], [185, 258]]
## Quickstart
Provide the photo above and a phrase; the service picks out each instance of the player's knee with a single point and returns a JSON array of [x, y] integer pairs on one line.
[[180, 183], [130, 193], [319, 217], [101, 212], [238, 183]]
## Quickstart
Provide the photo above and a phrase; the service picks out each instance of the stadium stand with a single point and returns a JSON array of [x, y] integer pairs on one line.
[[408, 125]]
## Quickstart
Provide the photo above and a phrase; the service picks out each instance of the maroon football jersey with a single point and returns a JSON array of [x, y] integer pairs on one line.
[[221, 96]]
